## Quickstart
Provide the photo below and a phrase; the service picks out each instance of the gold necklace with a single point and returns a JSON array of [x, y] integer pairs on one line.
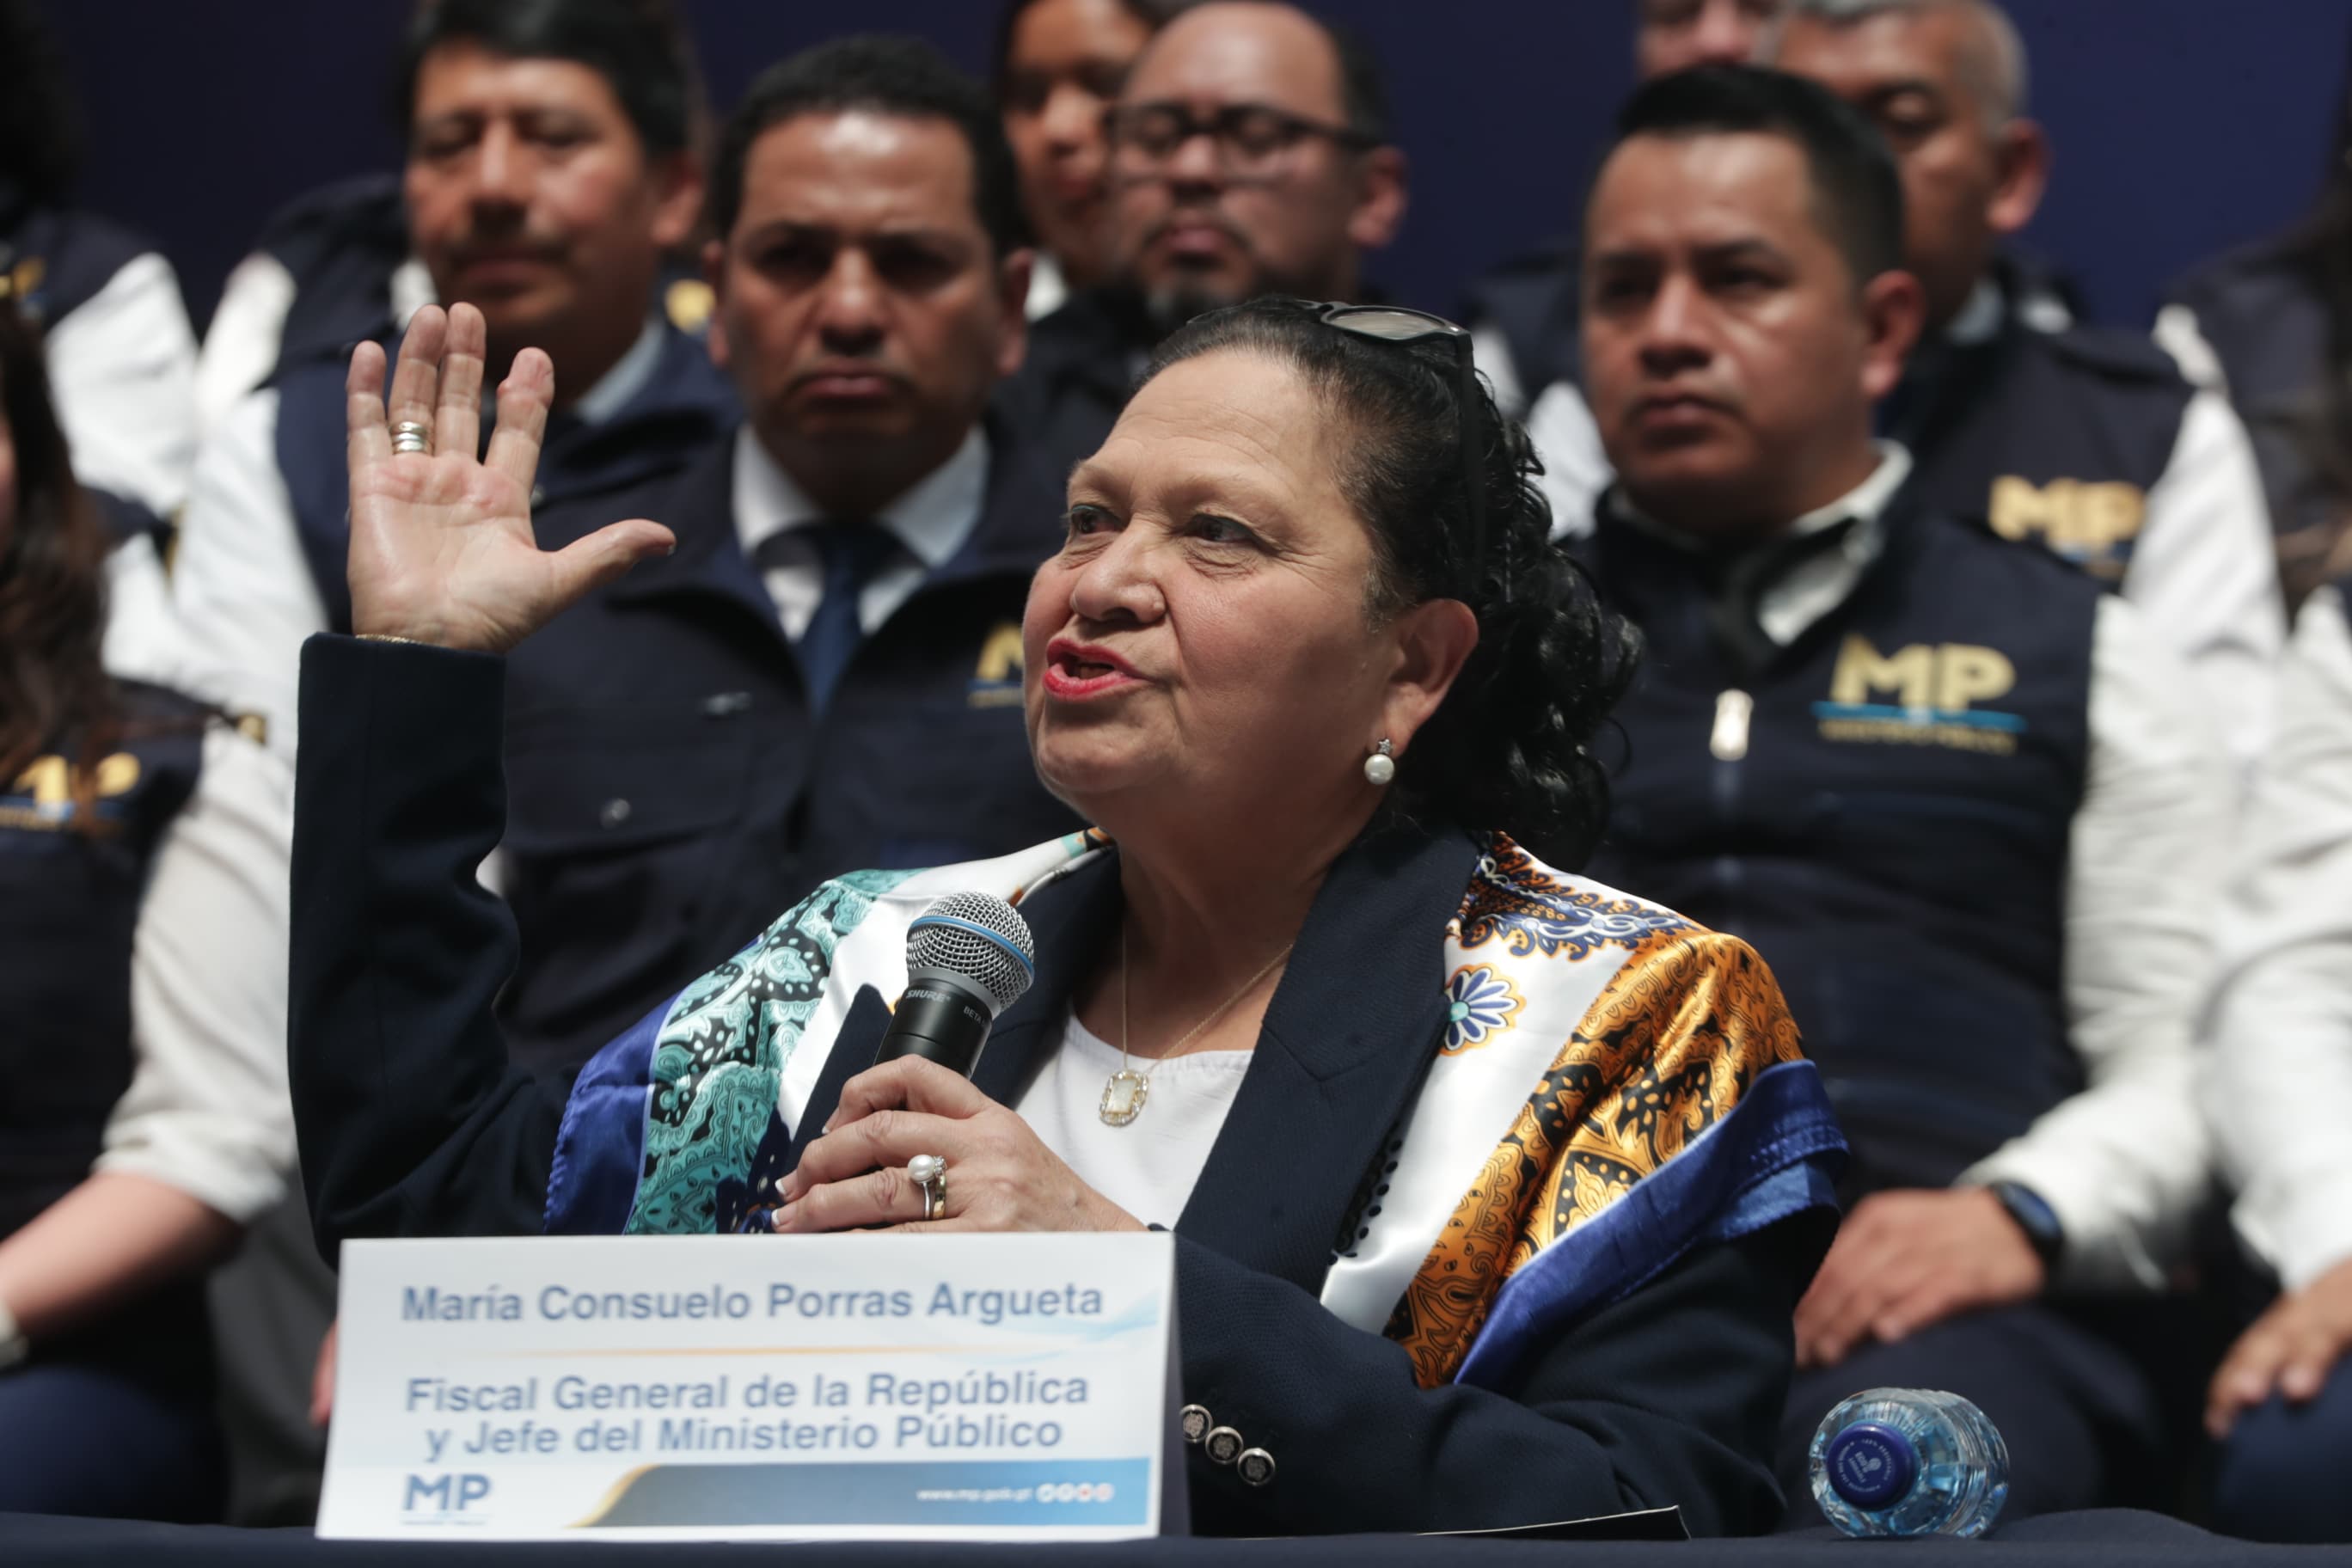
[[1124, 1094]]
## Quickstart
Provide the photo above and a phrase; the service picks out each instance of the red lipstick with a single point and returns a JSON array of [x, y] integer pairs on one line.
[[1076, 671]]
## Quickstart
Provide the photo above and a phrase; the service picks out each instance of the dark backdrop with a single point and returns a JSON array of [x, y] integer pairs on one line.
[[2182, 126]]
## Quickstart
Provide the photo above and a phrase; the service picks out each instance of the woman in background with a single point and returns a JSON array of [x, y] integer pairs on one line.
[[1060, 64], [144, 1118]]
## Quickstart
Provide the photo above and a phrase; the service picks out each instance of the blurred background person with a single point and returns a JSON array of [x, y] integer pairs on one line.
[[1952, 791], [2088, 439], [143, 978], [551, 164], [121, 355], [1675, 35], [330, 268], [1250, 155], [2279, 1063], [1060, 64], [1523, 314], [335, 266], [825, 674], [2270, 325]]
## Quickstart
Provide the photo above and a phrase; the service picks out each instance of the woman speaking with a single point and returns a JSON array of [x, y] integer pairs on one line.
[[1493, 1188]]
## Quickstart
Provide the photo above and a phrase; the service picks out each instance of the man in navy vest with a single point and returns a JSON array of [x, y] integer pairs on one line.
[[826, 673], [1948, 789], [1249, 155], [2088, 441], [549, 167]]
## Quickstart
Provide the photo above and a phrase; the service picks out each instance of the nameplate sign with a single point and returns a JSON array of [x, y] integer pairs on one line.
[[868, 1386]]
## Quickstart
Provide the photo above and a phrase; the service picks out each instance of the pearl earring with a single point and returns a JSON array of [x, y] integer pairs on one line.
[[1380, 766]]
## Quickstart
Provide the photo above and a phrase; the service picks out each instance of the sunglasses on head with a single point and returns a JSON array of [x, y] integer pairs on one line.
[[1392, 324]]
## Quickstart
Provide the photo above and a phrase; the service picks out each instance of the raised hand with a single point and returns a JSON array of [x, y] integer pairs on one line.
[[441, 550]]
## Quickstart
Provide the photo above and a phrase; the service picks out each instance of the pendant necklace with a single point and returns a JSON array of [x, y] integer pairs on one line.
[[1123, 1096]]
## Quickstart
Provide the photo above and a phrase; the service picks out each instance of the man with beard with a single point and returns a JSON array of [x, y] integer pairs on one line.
[[1249, 155], [550, 166]]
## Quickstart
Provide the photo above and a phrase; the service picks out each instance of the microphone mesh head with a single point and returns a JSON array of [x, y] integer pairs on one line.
[[983, 939]]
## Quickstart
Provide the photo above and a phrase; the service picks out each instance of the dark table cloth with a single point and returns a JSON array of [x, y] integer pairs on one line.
[[2061, 1540]]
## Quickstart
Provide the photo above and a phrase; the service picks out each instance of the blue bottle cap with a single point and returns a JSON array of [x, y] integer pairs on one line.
[[1870, 1464]]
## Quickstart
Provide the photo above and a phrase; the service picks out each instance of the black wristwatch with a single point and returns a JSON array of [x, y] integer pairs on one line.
[[2035, 1217]]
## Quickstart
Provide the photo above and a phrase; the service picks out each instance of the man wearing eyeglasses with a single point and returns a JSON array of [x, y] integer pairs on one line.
[[1249, 155]]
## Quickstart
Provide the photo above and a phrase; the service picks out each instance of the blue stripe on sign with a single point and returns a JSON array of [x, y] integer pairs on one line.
[[928, 1491], [2013, 722], [976, 929]]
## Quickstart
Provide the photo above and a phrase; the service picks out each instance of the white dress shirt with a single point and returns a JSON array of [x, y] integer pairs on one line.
[[245, 597], [1149, 1167], [2278, 1046], [2122, 1162], [931, 521], [1049, 289], [2202, 571], [207, 1110]]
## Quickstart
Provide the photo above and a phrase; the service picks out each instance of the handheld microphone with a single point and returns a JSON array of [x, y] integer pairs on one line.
[[969, 957]]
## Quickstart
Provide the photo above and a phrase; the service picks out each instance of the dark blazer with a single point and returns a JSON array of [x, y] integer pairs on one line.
[[672, 789], [412, 1122]]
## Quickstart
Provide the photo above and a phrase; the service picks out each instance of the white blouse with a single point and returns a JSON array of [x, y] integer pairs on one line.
[[1149, 1166]]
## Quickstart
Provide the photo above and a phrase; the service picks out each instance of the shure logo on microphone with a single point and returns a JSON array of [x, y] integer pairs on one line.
[[926, 993]]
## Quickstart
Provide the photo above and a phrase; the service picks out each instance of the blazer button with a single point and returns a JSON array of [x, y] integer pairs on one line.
[[1223, 1445], [615, 813], [1194, 1422], [538, 496], [1255, 1466]]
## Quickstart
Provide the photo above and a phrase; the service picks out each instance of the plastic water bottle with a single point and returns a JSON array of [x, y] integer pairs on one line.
[[1909, 1461]]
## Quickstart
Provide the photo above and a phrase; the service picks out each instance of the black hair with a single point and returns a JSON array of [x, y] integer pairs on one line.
[[638, 46], [886, 74], [52, 582], [1153, 14], [39, 145], [1857, 191], [1509, 748]]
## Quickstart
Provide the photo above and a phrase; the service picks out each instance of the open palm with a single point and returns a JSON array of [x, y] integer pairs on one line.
[[441, 550]]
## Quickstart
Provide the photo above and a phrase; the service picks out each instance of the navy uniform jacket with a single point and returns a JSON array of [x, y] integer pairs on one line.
[[1890, 829], [2086, 441], [428, 1131], [671, 790], [70, 904]]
